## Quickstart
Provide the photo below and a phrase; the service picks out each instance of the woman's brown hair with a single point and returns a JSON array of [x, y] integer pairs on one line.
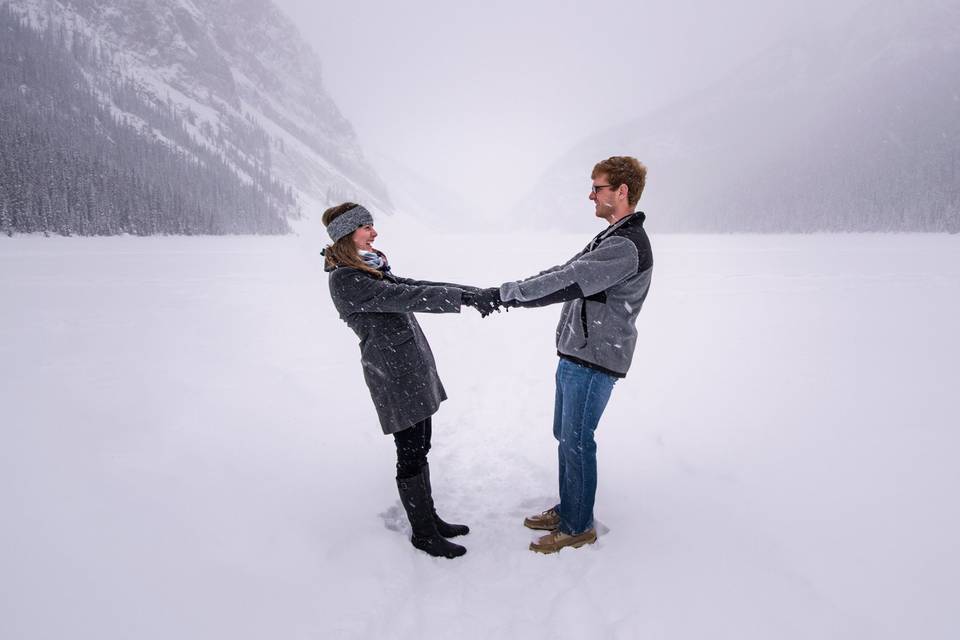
[[343, 253]]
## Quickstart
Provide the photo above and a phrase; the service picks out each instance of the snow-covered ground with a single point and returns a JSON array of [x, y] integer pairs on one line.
[[187, 449]]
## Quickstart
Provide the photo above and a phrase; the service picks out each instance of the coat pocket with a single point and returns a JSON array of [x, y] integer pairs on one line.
[[401, 354]]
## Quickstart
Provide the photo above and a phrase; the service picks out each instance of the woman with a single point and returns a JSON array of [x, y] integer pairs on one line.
[[398, 365]]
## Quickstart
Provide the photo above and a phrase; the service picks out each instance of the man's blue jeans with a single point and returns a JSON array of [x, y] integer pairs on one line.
[[582, 395]]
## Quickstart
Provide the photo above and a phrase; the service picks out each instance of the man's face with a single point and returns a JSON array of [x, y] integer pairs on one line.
[[603, 195]]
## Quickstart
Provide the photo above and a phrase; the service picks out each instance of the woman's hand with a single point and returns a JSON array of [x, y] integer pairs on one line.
[[486, 301]]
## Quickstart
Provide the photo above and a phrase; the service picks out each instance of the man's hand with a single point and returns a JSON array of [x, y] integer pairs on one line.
[[486, 301]]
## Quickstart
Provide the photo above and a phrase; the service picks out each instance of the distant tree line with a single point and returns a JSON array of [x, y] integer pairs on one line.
[[78, 158], [858, 179]]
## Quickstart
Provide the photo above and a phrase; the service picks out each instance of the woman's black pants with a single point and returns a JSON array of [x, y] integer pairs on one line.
[[413, 444]]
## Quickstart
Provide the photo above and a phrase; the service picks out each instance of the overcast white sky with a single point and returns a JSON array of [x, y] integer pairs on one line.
[[483, 97]]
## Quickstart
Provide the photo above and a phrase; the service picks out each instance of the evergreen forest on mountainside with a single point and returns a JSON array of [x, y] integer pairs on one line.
[[76, 162]]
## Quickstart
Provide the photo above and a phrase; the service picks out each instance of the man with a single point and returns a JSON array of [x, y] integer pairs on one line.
[[602, 289]]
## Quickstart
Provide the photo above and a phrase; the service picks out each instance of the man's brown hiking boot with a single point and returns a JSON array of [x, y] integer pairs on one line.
[[556, 540], [546, 521]]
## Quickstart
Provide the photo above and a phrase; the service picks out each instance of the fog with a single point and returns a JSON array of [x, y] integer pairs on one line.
[[480, 100]]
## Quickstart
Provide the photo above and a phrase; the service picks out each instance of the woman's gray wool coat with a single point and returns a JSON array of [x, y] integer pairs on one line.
[[398, 365]]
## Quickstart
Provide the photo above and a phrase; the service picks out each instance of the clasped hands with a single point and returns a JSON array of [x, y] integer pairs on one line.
[[486, 301]]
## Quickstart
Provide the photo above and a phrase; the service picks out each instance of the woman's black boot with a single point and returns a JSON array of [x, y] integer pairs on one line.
[[419, 507], [445, 529]]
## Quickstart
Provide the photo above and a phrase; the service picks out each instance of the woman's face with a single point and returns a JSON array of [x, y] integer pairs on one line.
[[363, 237]]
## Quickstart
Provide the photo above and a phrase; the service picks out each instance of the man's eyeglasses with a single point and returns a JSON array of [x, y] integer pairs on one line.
[[596, 188]]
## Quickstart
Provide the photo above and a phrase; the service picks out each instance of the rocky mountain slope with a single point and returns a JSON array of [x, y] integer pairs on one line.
[[212, 81]]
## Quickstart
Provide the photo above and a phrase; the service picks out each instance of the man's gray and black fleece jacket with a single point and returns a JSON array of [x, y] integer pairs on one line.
[[602, 288]]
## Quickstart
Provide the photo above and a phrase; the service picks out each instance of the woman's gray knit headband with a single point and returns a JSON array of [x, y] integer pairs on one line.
[[347, 223]]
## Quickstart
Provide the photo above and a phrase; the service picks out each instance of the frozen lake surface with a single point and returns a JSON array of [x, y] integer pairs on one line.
[[188, 451]]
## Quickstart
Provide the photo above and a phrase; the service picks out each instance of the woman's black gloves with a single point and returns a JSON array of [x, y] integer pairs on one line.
[[486, 301]]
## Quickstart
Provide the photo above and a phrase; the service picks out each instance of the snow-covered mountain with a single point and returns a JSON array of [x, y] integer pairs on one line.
[[852, 128], [234, 75]]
